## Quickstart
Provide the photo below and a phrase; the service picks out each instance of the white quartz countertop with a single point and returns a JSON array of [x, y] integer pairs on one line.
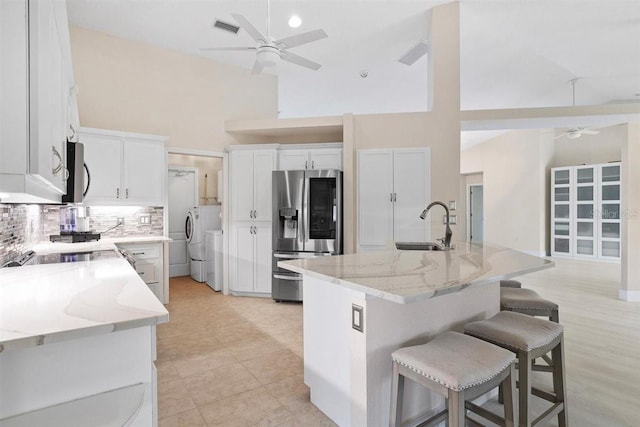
[[41, 304], [102, 244], [410, 276]]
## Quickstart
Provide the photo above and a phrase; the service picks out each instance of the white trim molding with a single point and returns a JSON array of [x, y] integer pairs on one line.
[[630, 296], [191, 152]]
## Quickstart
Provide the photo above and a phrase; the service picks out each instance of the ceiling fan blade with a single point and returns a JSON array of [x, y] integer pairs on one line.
[[249, 28], [415, 53], [257, 67], [299, 60], [589, 132], [302, 38], [228, 48]]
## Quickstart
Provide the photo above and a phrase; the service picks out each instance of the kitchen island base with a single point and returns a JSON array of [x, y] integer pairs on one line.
[[349, 371]]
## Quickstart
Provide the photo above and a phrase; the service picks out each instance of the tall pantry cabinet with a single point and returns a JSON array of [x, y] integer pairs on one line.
[[585, 211], [250, 171], [394, 186]]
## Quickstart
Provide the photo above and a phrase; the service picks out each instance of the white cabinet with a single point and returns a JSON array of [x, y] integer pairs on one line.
[[585, 211], [37, 100], [394, 186], [250, 271], [124, 168], [250, 183], [316, 158], [149, 264], [250, 170]]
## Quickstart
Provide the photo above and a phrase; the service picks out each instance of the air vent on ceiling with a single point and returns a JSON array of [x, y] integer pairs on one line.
[[226, 26]]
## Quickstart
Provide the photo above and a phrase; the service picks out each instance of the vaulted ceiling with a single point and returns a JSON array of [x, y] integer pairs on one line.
[[514, 53]]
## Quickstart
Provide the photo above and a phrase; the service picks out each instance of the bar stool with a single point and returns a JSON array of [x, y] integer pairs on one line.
[[459, 367], [510, 284], [526, 301], [529, 337]]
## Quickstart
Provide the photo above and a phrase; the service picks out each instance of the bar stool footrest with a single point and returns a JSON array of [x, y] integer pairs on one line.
[[484, 413], [548, 414]]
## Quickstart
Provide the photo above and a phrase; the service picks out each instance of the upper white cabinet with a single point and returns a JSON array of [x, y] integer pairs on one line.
[[124, 168], [309, 158], [585, 211], [250, 183], [37, 100], [394, 186]]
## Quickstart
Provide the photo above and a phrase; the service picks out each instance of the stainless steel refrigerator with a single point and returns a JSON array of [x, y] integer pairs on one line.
[[307, 223]]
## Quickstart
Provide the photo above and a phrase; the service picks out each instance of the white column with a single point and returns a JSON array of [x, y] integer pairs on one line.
[[630, 285]]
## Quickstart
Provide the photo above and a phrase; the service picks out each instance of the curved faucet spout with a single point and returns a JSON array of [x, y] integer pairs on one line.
[[447, 233]]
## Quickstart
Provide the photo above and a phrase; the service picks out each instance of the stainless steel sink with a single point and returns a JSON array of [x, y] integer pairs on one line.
[[419, 246]]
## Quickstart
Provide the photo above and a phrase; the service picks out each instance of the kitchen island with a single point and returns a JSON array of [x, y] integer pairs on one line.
[[359, 308], [77, 343]]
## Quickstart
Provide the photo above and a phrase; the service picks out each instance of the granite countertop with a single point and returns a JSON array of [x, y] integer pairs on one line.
[[42, 304], [409, 276]]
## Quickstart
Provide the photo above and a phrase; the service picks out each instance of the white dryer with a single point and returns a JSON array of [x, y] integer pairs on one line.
[[200, 219]]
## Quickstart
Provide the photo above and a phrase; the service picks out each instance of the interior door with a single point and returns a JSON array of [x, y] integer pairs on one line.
[[375, 193], [476, 209], [182, 196]]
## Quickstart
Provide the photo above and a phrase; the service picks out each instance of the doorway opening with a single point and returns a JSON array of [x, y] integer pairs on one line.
[[475, 219], [195, 179]]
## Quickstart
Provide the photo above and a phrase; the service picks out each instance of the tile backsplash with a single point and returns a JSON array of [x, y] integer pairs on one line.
[[22, 226]]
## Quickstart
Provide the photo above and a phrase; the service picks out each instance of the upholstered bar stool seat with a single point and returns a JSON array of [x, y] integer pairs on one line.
[[528, 337], [526, 301], [510, 284], [459, 367]]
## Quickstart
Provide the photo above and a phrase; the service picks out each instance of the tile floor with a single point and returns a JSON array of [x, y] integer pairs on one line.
[[230, 361]]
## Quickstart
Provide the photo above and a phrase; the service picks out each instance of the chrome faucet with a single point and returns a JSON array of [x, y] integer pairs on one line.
[[446, 240]]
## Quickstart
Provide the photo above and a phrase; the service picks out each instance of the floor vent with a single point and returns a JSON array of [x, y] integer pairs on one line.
[[226, 26]]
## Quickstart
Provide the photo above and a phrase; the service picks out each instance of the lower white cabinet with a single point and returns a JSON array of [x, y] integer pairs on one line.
[[106, 379], [394, 186], [250, 262], [124, 168], [150, 265]]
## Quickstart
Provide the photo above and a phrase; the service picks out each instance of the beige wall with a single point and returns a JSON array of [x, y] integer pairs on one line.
[[208, 168], [130, 86], [514, 167], [590, 149]]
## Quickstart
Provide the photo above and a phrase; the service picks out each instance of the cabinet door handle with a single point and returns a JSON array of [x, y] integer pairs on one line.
[[117, 193], [395, 199], [313, 166], [126, 193], [391, 197], [56, 155], [306, 164]]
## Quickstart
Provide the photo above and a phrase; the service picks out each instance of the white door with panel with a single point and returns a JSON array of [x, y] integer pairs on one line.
[[250, 183], [182, 196], [394, 186]]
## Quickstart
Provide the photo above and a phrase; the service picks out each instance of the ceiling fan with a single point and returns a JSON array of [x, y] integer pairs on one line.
[[269, 49], [577, 132]]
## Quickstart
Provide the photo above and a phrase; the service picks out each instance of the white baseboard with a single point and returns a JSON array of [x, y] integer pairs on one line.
[[631, 296]]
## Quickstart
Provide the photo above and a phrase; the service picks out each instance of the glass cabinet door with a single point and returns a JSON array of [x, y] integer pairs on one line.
[[609, 212]]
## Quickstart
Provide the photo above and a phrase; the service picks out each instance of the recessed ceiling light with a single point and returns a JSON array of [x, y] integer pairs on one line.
[[364, 74], [295, 21]]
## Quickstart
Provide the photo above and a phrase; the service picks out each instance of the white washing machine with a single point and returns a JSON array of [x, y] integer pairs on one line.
[[200, 219], [213, 255]]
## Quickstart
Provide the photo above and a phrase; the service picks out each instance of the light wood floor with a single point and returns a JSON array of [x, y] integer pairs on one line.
[[233, 361]]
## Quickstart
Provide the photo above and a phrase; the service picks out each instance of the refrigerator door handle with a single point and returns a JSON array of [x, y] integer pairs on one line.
[[305, 210]]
